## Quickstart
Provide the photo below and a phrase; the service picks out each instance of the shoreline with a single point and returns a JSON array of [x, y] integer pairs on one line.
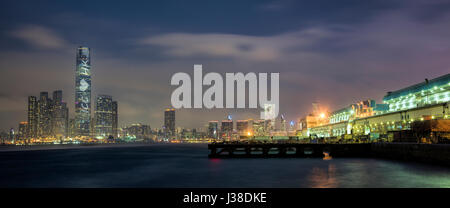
[[18, 148]]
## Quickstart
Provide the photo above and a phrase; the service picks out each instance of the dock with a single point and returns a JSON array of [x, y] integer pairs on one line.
[[413, 152], [274, 150]]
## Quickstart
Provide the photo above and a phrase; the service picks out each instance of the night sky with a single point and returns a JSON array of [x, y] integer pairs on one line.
[[331, 52]]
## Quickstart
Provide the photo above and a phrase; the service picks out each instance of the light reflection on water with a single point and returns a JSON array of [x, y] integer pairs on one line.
[[323, 178], [188, 166]]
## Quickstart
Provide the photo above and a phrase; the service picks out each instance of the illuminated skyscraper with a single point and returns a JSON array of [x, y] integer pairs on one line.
[[32, 117], [169, 122], [227, 127], [44, 115], [103, 116], [213, 129], [115, 119], [83, 92], [60, 116], [23, 126], [242, 127]]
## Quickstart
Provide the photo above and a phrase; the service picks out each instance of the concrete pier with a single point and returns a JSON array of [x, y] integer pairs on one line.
[[242, 150], [428, 153]]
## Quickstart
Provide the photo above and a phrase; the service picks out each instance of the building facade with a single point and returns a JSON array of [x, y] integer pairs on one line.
[[428, 100], [169, 122], [213, 129], [83, 92], [103, 122], [32, 117], [60, 116], [425, 93], [44, 115], [242, 127], [115, 119]]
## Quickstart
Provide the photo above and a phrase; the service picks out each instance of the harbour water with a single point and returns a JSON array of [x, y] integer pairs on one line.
[[187, 165]]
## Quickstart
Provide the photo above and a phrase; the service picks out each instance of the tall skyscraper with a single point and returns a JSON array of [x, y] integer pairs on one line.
[[213, 129], [169, 122], [115, 119], [103, 116], [57, 96], [83, 92], [44, 115], [32, 117], [60, 116], [227, 128]]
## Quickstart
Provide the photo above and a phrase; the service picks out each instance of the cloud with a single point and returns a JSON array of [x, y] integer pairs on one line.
[[253, 48], [331, 64], [40, 37]]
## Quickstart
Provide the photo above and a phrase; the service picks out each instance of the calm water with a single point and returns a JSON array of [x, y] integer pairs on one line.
[[188, 166]]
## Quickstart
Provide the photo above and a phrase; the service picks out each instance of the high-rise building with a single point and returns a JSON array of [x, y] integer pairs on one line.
[[83, 92], [283, 123], [57, 96], [12, 135], [258, 127], [103, 116], [32, 117], [60, 116], [227, 128], [44, 115], [23, 126], [72, 129], [242, 127], [137, 131], [115, 119], [169, 122], [213, 129]]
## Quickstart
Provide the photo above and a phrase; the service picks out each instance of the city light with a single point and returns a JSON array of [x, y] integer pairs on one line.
[[322, 115]]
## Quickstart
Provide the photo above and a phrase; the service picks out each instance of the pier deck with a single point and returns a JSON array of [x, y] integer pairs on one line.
[[414, 152], [244, 150]]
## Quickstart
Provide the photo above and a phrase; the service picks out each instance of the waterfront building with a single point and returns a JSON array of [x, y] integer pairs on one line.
[[283, 123], [23, 128], [60, 116], [258, 127], [115, 119], [103, 121], [242, 127], [83, 92], [137, 132], [372, 121], [429, 92], [72, 130], [213, 129], [169, 122], [360, 109], [32, 117], [12, 135], [44, 115], [226, 128]]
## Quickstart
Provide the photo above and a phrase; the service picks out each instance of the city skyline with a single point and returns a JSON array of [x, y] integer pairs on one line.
[[135, 66]]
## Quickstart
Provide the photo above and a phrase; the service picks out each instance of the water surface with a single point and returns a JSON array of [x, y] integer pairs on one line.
[[175, 165]]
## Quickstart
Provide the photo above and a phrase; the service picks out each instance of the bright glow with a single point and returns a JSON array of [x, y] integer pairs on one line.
[[322, 115]]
